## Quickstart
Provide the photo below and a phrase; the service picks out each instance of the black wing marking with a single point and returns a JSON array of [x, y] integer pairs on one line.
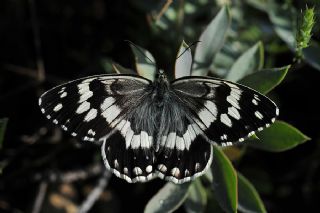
[[226, 112], [90, 108]]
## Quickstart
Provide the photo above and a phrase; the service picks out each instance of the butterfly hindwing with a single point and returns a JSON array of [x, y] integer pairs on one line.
[[226, 112]]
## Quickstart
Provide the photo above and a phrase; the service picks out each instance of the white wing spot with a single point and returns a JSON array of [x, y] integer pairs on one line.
[[107, 103], [241, 139], [48, 116], [91, 132], [206, 117], [64, 127], [55, 121], [111, 113], [171, 140], [144, 139], [254, 101], [149, 169], [175, 172], [116, 164], [180, 145], [135, 143], [57, 107], [224, 137], [74, 134], [197, 167], [162, 168], [211, 107], [137, 171], [233, 112], [186, 172], [92, 114], [128, 137], [40, 101], [273, 120], [225, 119], [125, 170], [85, 106], [260, 128], [277, 111], [42, 110], [258, 115], [64, 94]]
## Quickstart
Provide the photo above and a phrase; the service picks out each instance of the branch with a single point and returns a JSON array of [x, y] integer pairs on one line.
[[40, 197], [95, 193], [164, 9], [37, 41]]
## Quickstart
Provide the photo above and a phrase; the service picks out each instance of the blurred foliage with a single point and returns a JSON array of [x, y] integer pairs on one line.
[[253, 42]]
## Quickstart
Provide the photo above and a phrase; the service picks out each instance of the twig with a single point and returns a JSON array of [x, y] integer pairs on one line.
[[37, 41], [40, 197], [31, 73], [95, 193], [164, 9]]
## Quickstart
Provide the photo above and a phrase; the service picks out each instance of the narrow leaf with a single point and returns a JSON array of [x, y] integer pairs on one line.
[[311, 55], [284, 21], [183, 61], [197, 198], [211, 41], [224, 181], [3, 126], [249, 62], [265, 80], [122, 70], [249, 199], [283, 18], [145, 64], [168, 199], [281, 136]]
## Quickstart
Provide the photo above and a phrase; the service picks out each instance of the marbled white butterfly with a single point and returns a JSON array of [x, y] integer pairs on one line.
[[157, 129]]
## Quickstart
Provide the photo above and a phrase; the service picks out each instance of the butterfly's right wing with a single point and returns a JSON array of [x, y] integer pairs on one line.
[[105, 108]]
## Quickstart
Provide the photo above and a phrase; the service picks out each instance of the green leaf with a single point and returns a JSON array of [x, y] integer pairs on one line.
[[279, 137], [249, 199], [3, 126], [197, 198], [311, 55], [122, 70], [211, 41], [249, 62], [265, 80], [183, 61], [144, 66], [168, 199], [224, 181], [107, 65], [283, 18]]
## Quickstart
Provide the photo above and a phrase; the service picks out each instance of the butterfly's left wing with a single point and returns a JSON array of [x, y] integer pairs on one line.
[[226, 112], [105, 107]]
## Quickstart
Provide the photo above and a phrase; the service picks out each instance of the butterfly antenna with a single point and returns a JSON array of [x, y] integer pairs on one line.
[[139, 49], [188, 48]]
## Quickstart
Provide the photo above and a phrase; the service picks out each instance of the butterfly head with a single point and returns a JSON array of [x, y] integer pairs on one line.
[[161, 77]]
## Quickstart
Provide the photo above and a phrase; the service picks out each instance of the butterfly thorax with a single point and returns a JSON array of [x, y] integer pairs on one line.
[[161, 88]]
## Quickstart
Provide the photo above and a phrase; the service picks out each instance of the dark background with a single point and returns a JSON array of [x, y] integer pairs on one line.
[[77, 37]]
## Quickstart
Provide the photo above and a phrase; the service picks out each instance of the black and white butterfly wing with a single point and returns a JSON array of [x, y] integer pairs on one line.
[[226, 112], [182, 152], [104, 108]]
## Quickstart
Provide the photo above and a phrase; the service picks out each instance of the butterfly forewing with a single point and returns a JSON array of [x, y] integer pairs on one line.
[[226, 112], [89, 108]]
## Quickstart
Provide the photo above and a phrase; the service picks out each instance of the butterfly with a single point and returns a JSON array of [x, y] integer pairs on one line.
[[158, 128]]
